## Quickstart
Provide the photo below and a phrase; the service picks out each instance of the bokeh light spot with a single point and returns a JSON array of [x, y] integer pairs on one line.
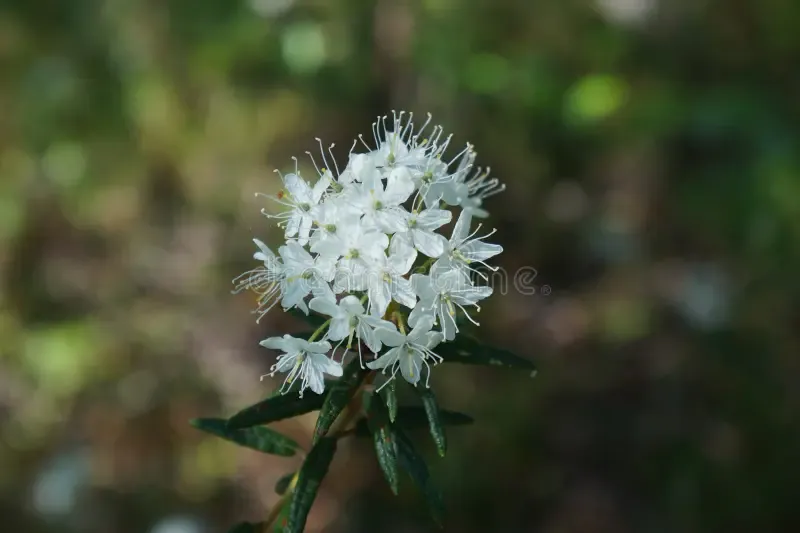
[[595, 97], [303, 47]]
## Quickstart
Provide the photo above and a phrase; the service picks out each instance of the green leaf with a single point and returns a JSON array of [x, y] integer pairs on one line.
[[283, 483], [467, 350], [311, 475], [414, 417], [390, 396], [434, 421], [385, 441], [275, 408], [258, 438], [340, 394], [247, 527], [413, 463], [282, 520]]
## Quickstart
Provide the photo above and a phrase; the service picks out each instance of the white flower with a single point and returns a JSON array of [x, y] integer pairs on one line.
[[440, 294], [385, 281], [266, 280], [409, 353], [351, 247], [421, 231], [303, 359], [382, 206], [475, 189], [463, 250], [397, 146], [328, 217], [348, 320], [359, 167], [300, 198], [438, 184], [303, 274], [351, 239]]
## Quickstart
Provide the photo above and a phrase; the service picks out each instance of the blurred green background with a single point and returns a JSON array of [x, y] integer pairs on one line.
[[652, 158]]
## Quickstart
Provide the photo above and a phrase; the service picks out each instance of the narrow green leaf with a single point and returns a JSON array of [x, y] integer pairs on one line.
[[311, 475], [413, 463], [385, 441], [468, 350], [283, 483], [282, 520], [275, 408], [413, 417], [340, 394], [434, 421], [247, 527], [258, 438], [390, 395]]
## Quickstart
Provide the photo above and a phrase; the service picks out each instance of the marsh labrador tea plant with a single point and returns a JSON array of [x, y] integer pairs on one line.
[[367, 265]]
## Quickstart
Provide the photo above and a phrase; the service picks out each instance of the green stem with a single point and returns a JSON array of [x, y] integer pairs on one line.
[[353, 409], [278, 507], [424, 267], [319, 330], [417, 204], [401, 325]]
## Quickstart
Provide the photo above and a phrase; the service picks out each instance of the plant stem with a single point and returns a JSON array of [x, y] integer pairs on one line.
[[424, 267], [398, 316], [319, 330], [417, 203], [353, 409], [278, 507]]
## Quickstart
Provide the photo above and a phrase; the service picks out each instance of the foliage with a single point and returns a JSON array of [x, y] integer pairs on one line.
[[343, 405], [651, 154]]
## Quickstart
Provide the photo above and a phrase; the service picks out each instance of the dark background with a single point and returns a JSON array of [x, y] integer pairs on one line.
[[651, 153]]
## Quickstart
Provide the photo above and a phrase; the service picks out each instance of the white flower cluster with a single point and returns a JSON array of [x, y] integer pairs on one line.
[[352, 239]]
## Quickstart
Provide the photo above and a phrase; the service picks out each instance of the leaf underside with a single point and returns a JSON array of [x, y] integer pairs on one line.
[[259, 438], [340, 394], [283, 483], [311, 475], [385, 441], [467, 350], [411, 418], [432, 412], [413, 463], [276, 408]]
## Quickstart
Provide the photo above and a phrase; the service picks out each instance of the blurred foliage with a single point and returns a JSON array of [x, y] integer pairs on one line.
[[651, 153]]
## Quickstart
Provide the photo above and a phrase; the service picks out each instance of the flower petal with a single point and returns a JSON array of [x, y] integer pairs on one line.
[[432, 219], [429, 243], [390, 337], [320, 187], [391, 219], [339, 328], [411, 367], [275, 343], [399, 186], [319, 347], [380, 295], [297, 187], [401, 253], [403, 293], [327, 365], [461, 229], [480, 251], [324, 306], [386, 360], [351, 305]]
